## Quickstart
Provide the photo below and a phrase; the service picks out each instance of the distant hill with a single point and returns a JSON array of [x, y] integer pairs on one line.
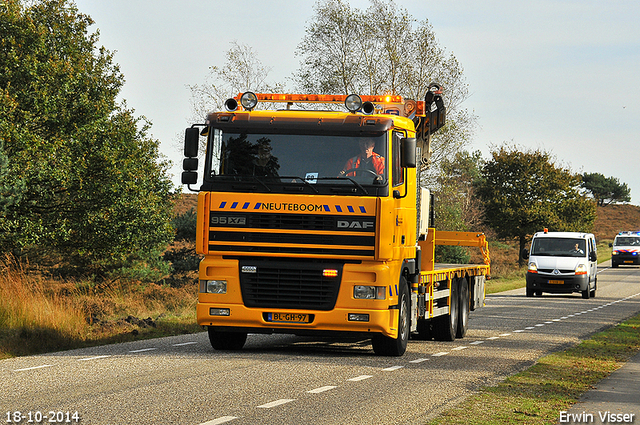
[[616, 218]]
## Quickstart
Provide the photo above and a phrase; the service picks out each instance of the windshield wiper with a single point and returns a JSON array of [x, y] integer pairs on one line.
[[358, 185]]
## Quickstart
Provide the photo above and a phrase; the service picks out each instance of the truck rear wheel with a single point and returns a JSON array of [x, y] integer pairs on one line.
[[446, 327], [463, 309], [386, 346], [226, 340]]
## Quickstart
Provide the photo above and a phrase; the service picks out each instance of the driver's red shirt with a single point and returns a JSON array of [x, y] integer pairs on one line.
[[376, 160]]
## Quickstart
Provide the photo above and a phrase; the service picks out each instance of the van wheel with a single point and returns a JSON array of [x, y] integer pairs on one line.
[[530, 292], [586, 293], [385, 346], [446, 327], [595, 286]]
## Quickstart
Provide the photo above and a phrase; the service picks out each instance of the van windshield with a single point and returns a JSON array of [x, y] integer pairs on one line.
[[627, 241], [558, 247]]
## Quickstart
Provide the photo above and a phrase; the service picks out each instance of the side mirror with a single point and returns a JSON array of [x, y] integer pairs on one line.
[[525, 254], [593, 256], [408, 154], [610, 245], [191, 140], [190, 162]]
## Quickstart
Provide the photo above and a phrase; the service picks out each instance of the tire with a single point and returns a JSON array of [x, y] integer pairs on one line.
[[231, 341], [386, 346], [446, 327], [595, 286], [614, 265], [530, 292], [586, 293], [463, 309]]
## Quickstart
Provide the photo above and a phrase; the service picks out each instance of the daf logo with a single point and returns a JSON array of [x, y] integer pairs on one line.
[[355, 224]]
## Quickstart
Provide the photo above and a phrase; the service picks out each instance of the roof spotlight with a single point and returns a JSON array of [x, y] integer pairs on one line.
[[248, 100], [353, 102], [231, 104]]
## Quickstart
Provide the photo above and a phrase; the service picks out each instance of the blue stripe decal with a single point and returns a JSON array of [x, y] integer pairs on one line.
[[222, 204], [257, 207], [350, 208], [396, 289], [390, 292], [234, 205], [245, 206], [338, 208], [326, 208], [363, 209]]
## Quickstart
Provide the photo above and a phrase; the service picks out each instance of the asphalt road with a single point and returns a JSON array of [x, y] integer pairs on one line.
[[284, 379]]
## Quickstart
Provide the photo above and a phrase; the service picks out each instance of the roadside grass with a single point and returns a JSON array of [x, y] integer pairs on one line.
[[538, 394], [39, 315]]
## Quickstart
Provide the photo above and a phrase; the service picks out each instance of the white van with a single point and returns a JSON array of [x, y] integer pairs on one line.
[[562, 263], [626, 249]]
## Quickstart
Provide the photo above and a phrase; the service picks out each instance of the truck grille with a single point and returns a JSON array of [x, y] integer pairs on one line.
[[288, 285], [243, 233]]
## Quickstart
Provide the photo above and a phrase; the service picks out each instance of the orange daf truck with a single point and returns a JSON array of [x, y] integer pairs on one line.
[[311, 221]]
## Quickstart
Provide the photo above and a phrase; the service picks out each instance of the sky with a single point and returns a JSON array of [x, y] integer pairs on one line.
[[556, 75]]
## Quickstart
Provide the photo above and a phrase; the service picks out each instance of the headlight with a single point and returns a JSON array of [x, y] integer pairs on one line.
[[581, 269], [615, 253], [362, 292], [353, 102], [213, 286], [249, 100], [533, 268]]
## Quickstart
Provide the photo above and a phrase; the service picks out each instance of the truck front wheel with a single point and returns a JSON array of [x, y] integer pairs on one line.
[[386, 346], [463, 308], [226, 340]]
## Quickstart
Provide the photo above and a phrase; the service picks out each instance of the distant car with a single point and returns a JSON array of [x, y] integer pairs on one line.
[[562, 263], [626, 249]]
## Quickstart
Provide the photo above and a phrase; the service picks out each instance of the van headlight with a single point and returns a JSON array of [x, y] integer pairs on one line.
[[581, 269], [533, 268]]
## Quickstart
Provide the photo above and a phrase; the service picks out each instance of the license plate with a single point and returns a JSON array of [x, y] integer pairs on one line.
[[288, 317], [628, 261], [556, 282]]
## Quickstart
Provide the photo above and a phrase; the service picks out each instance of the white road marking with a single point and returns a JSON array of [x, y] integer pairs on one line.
[[322, 389], [518, 331], [392, 368], [32, 368], [143, 349], [220, 420], [476, 343], [360, 378], [539, 324], [504, 335], [276, 403], [440, 354], [187, 343], [529, 328], [491, 338], [93, 358], [418, 360], [458, 348]]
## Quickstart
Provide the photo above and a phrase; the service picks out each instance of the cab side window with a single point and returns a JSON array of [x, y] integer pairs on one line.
[[396, 169]]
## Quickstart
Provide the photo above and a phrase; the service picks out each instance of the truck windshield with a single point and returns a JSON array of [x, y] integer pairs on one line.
[[627, 241], [558, 247], [309, 161]]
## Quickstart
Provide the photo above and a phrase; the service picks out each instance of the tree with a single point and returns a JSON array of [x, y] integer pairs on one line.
[[524, 192], [605, 190], [379, 51], [83, 178]]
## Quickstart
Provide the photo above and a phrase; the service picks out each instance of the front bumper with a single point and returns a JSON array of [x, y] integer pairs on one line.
[[255, 320], [622, 259], [564, 284]]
